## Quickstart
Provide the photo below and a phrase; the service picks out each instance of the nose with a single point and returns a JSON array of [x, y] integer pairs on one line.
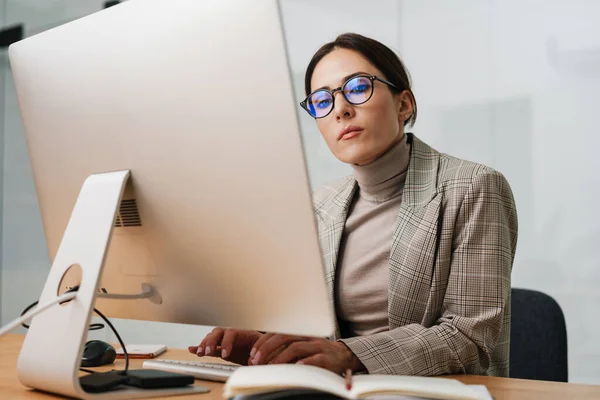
[[341, 107]]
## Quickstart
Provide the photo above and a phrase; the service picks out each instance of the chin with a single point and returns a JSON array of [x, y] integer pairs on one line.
[[355, 157]]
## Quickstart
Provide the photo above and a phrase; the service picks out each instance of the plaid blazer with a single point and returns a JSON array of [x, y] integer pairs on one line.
[[449, 270]]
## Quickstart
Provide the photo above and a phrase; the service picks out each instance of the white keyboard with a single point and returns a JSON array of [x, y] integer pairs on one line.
[[199, 370]]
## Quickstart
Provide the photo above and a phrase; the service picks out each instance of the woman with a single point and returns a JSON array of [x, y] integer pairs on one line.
[[418, 246]]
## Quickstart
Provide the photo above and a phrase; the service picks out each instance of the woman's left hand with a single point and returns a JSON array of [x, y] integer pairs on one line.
[[324, 353]]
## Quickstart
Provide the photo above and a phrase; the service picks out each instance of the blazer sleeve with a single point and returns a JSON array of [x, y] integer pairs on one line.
[[463, 338]]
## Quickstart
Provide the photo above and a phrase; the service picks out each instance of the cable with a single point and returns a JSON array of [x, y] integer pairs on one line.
[[96, 326], [118, 338], [92, 327], [144, 295], [65, 298], [89, 371], [70, 295], [29, 307], [24, 317]]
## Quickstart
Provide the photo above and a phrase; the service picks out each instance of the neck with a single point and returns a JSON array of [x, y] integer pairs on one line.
[[384, 178]]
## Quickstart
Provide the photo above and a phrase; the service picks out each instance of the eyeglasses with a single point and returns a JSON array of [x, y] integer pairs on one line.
[[356, 90]]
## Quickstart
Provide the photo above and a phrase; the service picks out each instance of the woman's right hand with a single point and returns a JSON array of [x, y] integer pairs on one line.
[[229, 344]]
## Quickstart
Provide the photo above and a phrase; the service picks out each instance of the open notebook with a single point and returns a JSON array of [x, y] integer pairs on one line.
[[273, 378]]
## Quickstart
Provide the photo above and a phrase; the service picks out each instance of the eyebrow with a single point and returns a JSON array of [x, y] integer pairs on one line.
[[344, 79]]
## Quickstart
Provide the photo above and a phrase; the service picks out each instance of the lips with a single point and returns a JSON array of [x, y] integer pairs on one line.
[[349, 132]]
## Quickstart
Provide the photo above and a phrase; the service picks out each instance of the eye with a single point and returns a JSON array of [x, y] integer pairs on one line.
[[324, 103], [361, 88], [357, 86], [321, 100]]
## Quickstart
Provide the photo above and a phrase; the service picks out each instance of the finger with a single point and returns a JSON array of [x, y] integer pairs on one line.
[[265, 349], [228, 342], [259, 343], [268, 357], [317, 360], [199, 350], [194, 349], [209, 345], [296, 351], [269, 348]]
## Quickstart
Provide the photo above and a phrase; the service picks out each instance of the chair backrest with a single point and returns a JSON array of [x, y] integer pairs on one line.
[[538, 338]]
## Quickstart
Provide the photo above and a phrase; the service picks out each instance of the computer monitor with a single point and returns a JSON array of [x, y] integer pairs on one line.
[[195, 99]]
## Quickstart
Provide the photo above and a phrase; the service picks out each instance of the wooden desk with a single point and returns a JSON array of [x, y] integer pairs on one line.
[[500, 388]]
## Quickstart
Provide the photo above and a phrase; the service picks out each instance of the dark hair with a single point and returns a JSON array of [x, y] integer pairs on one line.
[[378, 54]]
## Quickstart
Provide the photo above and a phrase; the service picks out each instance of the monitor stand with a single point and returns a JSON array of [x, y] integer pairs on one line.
[[51, 354]]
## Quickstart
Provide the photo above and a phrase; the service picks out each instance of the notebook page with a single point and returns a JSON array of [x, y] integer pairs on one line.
[[433, 388], [264, 378]]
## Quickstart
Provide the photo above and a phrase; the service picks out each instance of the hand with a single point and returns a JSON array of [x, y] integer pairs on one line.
[[229, 344], [324, 353]]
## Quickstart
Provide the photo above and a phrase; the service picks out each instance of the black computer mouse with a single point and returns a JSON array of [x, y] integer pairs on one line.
[[97, 353]]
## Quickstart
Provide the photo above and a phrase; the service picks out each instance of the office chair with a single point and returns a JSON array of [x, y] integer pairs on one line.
[[538, 337]]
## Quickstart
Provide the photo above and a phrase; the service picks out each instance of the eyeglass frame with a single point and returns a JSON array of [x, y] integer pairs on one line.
[[339, 89]]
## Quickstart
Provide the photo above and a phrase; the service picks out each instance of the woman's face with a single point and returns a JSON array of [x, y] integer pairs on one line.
[[373, 127]]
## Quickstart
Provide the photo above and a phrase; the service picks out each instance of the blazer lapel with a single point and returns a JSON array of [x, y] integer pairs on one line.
[[412, 254], [331, 229]]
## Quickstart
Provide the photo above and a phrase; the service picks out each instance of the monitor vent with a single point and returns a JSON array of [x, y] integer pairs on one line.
[[128, 214]]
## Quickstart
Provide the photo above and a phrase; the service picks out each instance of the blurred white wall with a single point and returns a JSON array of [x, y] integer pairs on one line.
[[512, 84], [308, 24]]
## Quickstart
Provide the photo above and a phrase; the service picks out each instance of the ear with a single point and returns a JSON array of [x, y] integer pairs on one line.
[[404, 106]]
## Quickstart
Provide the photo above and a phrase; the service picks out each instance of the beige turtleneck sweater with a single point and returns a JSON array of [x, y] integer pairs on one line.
[[362, 272]]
